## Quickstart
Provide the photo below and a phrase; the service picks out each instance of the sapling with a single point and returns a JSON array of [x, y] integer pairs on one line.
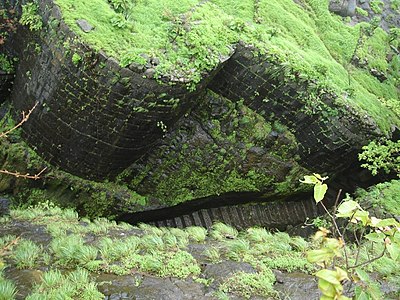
[[339, 263]]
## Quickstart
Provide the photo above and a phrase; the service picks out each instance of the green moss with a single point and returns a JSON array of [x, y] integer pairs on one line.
[[376, 6], [215, 166], [361, 12], [76, 59]]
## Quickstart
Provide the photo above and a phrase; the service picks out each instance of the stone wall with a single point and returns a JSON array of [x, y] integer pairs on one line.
[[95, 117]]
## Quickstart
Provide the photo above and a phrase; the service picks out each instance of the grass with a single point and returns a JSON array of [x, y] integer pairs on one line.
[[383, 197], [221, 231], [26, 254], [248, 285], [163, 252], [196, 233], [7, 289], [70, 251], [75, 285]]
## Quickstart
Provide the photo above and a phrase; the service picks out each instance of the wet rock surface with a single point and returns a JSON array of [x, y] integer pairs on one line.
[[296, 286]]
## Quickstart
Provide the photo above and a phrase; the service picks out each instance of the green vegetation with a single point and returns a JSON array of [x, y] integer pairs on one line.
[[190, 38], [361, 12], [376, 6], [80, 247], [214, 168], [248, 285], [56, 285], [76, 58], [25, 254], [381, 156], [376, 248], [383, 198], [30, 16], [162, 252], [6, 64]]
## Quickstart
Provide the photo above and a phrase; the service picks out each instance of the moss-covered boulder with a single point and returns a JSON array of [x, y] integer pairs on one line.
[[204, 98]]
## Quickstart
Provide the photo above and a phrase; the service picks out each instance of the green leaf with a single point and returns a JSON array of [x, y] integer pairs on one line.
[[387, 222], [342, 297], [323, 297], [362, 216], [363, 296], [376, 237], [341, 274], [320, 191], [394, 251], [310, 180], [327, 288], [347, 208], [362, 275], [329, 276], [320, 255]]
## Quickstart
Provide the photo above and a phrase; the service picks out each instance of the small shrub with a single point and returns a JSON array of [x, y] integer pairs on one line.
[[76, 59], [30, 17]]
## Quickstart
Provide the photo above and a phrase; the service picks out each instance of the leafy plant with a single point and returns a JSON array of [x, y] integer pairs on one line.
[[75, 285], [221, 231], [334, 255], [30, 16], [383, 156], [6, 64], [250, 284], [7, 289]]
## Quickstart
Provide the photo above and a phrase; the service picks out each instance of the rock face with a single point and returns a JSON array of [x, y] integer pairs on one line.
[[344, 8], [95, 117], [250, 125]]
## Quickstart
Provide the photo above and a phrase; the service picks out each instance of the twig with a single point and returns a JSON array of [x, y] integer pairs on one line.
[[369, 261], [25, 118], [336, 227], [337, 201], [359, 243], [26, 176]]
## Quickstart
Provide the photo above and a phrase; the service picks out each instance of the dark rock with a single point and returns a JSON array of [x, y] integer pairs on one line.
[[136, 67], [344, 8], [149, 73], [296, 286], [84, 25], [4, 206], [155, 61]]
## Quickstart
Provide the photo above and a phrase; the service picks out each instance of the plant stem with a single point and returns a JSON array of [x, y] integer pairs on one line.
[[370, 260]]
